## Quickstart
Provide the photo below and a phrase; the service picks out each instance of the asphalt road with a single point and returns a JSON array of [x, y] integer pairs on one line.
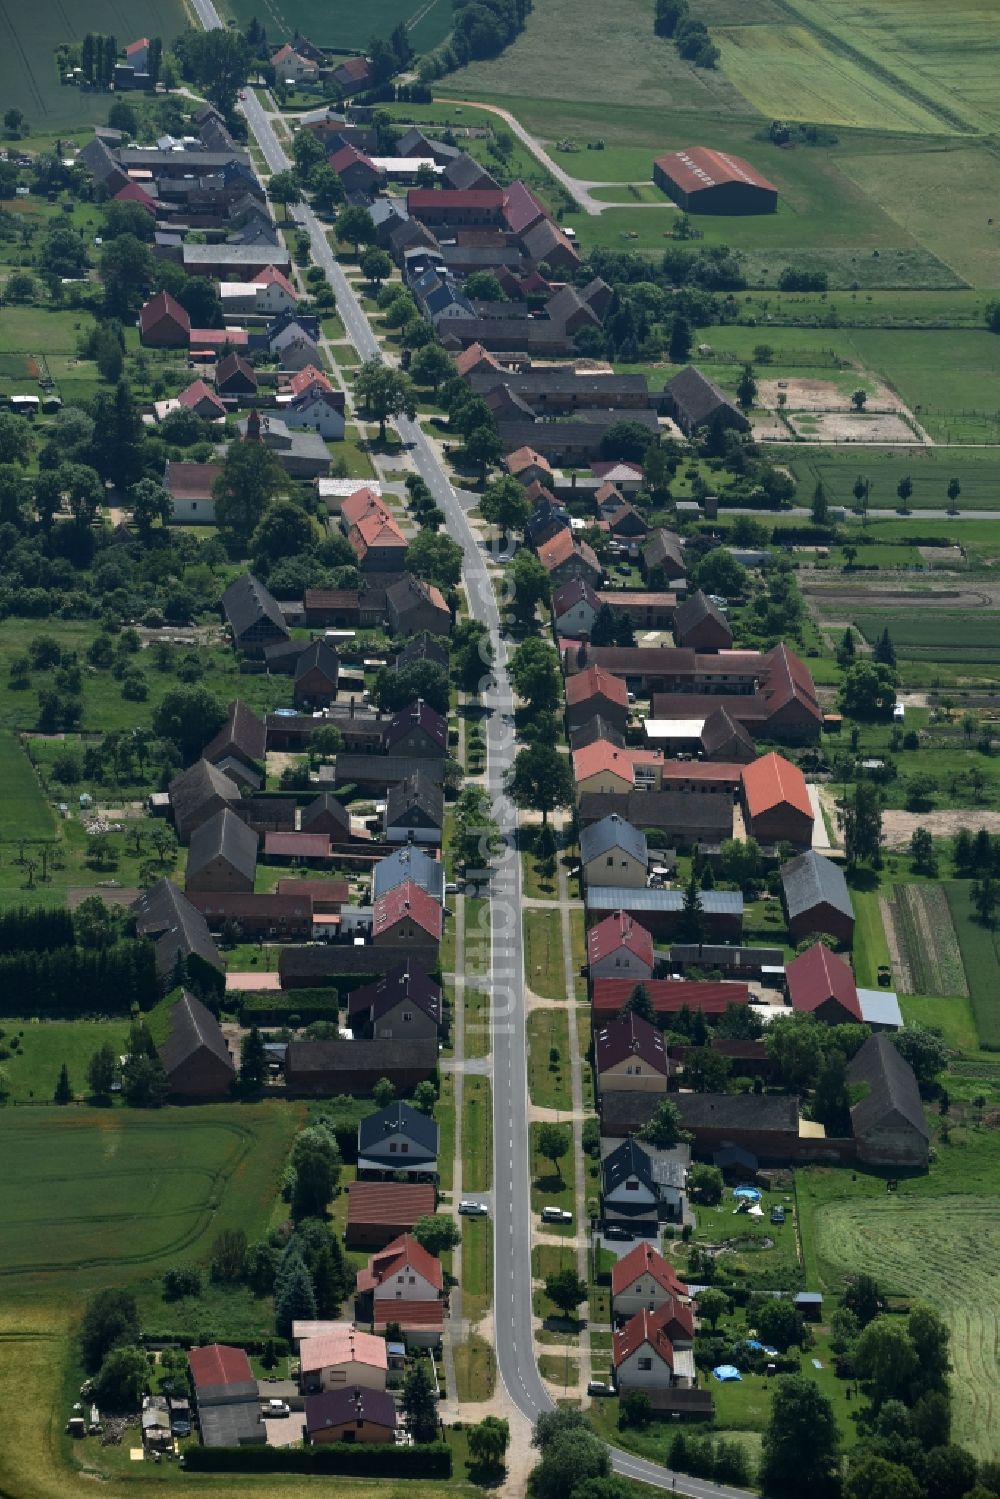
[[511, 1195]]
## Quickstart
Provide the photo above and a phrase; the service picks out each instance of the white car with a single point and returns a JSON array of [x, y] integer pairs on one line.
[[277, 1408], [472, 1209], [556, 1215]]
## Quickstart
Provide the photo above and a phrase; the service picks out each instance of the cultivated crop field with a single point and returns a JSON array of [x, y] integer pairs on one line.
[[96, 1194], [945, 1251], [937, 636], [930, 469], [929, 959], [790, 72], [981, 959], [346, 26], [30, 33]]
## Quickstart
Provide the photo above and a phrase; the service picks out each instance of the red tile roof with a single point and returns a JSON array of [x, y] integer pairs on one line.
[[557, 550], [271, 276], [576, 591], [357, 68], [702, 770], [431, 197], [593, 682], [375, 529], [394, 1257], [787, 680], [602, 758], [308, 377], [348, 156], [327, 892], [163, 307], [133, 193], [408, 900], [297, 845], [192, 481], [218, 1365], [619, 930], [217, 338], [408, 1314], [772, 781], [136, 46], [645, 1328], [389, 1203], [630, 1036], [668, 996], [523, 458], [474, 355], [197, 392], [521, 208], [645, 1260], [363, 501], [700, 167], [818, 975]]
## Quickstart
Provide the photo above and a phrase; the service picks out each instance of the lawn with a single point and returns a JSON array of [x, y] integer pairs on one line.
[[544, 969], [477, 1267], [99, 1194], [937, 1238], [549, 1081], [43, 1047], [930, 469], [980, 958], [551, 1187], [24, 812], [870, 947], [475, 1371], [477, 1143]]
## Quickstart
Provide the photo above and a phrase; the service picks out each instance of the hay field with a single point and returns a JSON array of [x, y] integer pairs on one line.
[[944, 55], [94, 1195], [943, 1250], [943, 197], [791, 73], [346, 26]]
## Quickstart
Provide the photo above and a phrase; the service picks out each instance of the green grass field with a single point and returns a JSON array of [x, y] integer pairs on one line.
[[544, 970], [428, 21], [43, 1047], [935, 635], [931, 469], [980, 958], [24, 812], [94, 1194], [28, 37], [936, 1239], [549, 1082], [477, 1136]]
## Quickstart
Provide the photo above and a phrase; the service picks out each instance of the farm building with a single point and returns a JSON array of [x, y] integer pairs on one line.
[[817, 898], [821, 984], [329, 1068], [776, 801], [178, 931], [888, 1122], [379, 1212], [195, 1055], [222, 856], [693, 400], [701, 180]]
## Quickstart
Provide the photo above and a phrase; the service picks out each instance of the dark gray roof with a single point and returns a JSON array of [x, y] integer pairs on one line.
[[660, 546], [321, 963], [811, 880], [694, 611], [250, 256], [892, 1087], [193, 1028], [418, 714], [423, 647], [611, 832], [620, 898], [200, 783], [173, 924], [325, 805], [670, 810], [405, 983], [416, 793], [409, 863], [383, 770], [318, 656], [628, 1160], [348, 1057], [720, 730], [345, 1407], [698, 397], [246, 601], [409, 593], [594, 729], [233, 1425], [557, 381], [99, 160], [766, 1112], [398, 1118], [224, 836], [243, 734], [195, 160], [464, 172]]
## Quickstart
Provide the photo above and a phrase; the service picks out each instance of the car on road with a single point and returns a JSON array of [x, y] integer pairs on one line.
[[277, 1408], [469, 1208], [243, 93], [617, 1231], [556, 1215]]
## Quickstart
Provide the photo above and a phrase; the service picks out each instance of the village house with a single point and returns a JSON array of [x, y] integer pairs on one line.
[[403, 1003], [345, 1357], [643, 1280], [350, 1414], [398, 1139], [414, 807], [646, 1357], [613, 852], [640, 1187], [406, 914], [629, 1053], [619, 947]]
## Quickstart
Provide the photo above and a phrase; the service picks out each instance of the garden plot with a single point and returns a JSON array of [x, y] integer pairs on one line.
[[923, 941]]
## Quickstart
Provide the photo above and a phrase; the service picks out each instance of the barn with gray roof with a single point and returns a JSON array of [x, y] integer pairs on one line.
[[816, 898]]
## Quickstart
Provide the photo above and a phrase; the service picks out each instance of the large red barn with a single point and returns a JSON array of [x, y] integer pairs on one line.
[[701, 180]]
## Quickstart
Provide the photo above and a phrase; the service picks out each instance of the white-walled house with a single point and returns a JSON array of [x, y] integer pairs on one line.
[[344, 1357]]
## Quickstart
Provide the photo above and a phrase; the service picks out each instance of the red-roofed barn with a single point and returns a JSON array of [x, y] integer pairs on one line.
[[701, 180], [821, 984]]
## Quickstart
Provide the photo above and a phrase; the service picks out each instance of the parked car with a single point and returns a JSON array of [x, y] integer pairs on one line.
[[617, 1231], [472, 1209], [277, 1408], [598, 1387], [556, 1215]]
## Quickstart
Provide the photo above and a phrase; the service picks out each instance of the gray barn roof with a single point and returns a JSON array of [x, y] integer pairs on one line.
[[892, 1087], [246, 601], [197, 785], [173, 924], [693, 611], [398, 1118], [409, 863], [192, 1028], [620, 898], [224, 836], [699, 398], [811, 880], [612, 832]]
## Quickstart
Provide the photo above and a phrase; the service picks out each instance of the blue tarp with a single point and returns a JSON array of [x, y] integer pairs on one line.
[[755, 1343], [726, 1372]]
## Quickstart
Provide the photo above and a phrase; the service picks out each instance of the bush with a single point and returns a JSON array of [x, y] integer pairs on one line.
[[432, 1461], [180, 1283]]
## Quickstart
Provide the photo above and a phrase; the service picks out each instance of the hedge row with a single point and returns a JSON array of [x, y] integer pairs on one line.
[[371, 1461], [269, 1008]]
